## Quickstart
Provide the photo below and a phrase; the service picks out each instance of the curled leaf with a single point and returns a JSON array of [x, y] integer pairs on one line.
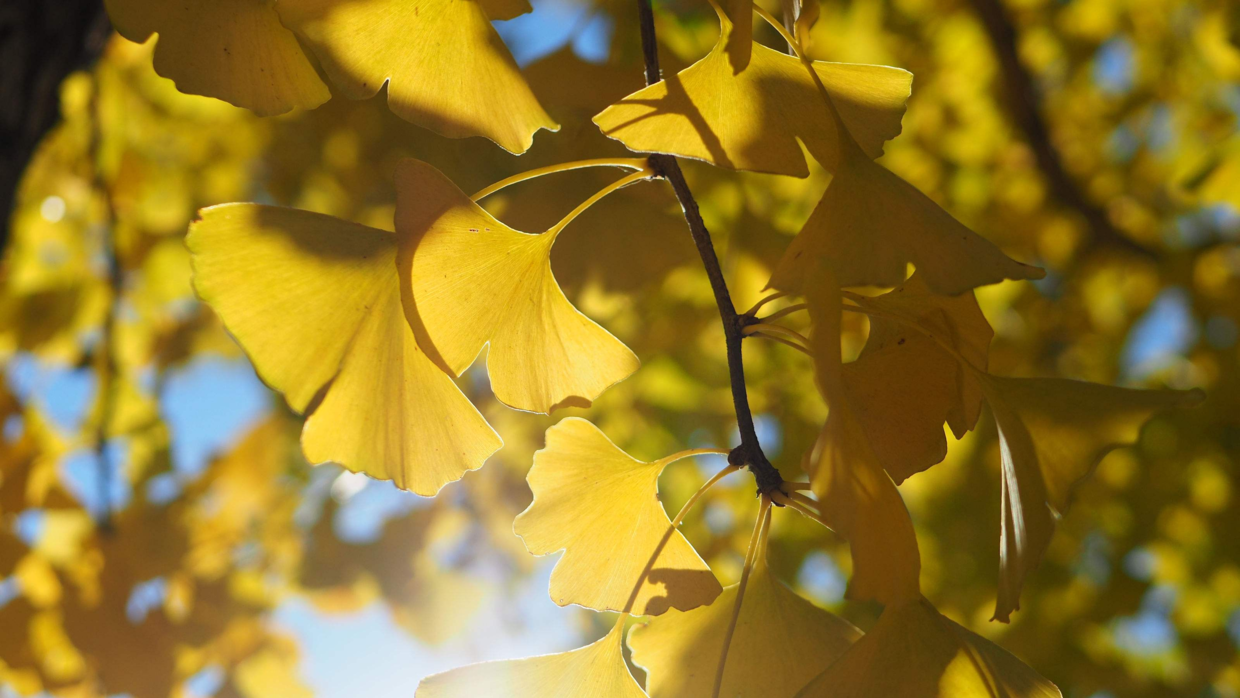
[[594, 671], [776, 628], [234, 50], [1053, 432], [446, 68], [870, 225], [315, 303], [914, 652], [469, 279], [753, 120], [601, 507]]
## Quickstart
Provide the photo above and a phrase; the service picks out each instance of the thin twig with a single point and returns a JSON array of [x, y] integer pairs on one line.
[[1024, 106], [106, 348], [749, 453]]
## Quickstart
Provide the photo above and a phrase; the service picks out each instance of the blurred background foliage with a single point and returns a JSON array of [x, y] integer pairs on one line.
[[160, 533]]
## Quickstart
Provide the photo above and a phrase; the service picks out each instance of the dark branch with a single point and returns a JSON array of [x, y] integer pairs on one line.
[[749, 453], [1024, 106], [41, 42]]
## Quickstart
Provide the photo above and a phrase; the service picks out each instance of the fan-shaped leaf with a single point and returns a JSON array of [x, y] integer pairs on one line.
[[470, 280], [315, 302], [601, 507]]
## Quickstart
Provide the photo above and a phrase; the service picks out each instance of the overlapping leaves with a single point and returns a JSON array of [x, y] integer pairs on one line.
[[248, 53]]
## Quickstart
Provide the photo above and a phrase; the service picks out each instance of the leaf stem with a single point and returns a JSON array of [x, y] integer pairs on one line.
[[644, 173], [680, 516], [786, 311], [749, 452], [800, 508], [779, 27], [778, 329], [690, 453], [751, 555], [629, 163], [782, 341], [766, 299]]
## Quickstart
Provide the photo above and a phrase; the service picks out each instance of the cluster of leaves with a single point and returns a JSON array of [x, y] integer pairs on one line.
[[363, 331]]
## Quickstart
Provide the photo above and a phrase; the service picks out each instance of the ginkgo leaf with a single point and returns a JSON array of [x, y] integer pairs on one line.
[[234, 50], [1053, 432], [904, 385], [469, 279], [915, 652], [870, 225], [753, 120], [446, 68], [315, 303], [858, 499], [601, 507], [780, 643], [594, 671], [901, 392]]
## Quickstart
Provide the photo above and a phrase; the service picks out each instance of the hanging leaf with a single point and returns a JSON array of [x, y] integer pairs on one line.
[[1053, 432], [234, 50], [315, 303], [858, 499], [601, 507], [870, 225], [594, 671], [753, 120], [470, 280], [914, 652], [776, 628], [904, 385], [445, 67]]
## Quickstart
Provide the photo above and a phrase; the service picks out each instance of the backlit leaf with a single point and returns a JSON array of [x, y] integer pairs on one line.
[[870, 225], [315, 303], [234, 50], [914, 652], [601, 507], [858, 499], [753, 120], [781, 642], [1053, 432], [904, 385], [594, 671], [474, 280], [445, 67]]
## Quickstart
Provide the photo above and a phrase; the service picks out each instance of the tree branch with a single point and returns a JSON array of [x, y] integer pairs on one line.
[[1024, 107], [749, 453], [40, 43]]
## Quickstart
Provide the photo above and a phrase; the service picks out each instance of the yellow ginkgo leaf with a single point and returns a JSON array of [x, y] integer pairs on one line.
[[753, 120], [315, 303], [857, 498], [870, 225], [446, 68], [1053, 432], [914, 652], [468, 279], [601, 507], [594, 671], [234, 50], [904, 385], [780, 643]]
